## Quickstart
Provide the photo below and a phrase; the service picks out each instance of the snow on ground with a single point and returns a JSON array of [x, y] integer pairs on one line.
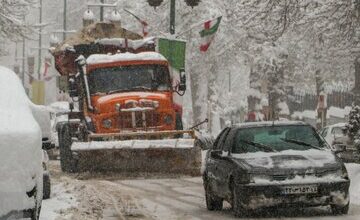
[[117, 197], [354, 173], [61, 199]]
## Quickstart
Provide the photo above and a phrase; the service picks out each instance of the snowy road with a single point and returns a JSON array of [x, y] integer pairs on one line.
[[179, 198]]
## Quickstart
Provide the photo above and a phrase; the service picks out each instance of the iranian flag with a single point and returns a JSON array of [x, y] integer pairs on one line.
[[208, 33]]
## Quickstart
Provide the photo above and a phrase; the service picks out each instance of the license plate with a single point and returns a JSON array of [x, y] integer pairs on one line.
[[304, 189]]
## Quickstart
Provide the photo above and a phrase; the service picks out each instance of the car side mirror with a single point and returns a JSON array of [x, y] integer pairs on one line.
[[47, 146], [216, 154], [339, 148], [182, 84]]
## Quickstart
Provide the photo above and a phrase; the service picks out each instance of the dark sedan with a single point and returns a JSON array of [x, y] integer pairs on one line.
[[274, 164]]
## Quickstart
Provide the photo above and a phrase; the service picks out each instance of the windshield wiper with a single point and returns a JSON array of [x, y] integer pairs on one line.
[[300, 143], [261, 146], [99, 93], [118, 90], [129, 89], [141, 87]]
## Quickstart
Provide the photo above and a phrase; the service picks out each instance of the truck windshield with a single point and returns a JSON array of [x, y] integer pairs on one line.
[[129, 78]]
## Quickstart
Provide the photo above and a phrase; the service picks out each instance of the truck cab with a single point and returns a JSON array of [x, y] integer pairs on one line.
[[131, 92]]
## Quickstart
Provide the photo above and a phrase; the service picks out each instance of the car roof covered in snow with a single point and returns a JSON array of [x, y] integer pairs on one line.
[[268, 123], [104, 58]]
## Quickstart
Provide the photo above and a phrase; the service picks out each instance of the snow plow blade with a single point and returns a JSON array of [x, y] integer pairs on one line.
[[175, 156]]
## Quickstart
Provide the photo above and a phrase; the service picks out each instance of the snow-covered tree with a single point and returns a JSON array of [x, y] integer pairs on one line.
[[353, 126], [12, 19]]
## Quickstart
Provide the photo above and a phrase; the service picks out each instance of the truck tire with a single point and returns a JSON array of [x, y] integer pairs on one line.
[[178, 125], [67, 162], [46, 186], [178, 122]]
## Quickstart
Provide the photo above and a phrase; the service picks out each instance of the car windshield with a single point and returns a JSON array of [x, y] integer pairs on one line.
[[277, 138], [129, 78]]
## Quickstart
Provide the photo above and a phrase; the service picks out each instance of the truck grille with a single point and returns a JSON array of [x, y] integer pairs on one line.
[[139, 120]]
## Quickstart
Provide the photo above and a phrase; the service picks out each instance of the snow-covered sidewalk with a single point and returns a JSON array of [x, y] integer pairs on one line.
[[354, 173]]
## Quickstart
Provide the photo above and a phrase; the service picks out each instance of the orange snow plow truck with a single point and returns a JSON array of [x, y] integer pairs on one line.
[[127, 120]]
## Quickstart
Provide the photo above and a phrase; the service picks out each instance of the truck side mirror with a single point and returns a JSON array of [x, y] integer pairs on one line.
[[182, 85], [73, 90]]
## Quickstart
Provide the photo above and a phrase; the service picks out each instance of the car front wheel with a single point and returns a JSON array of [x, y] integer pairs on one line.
[[212, 201], [35, 213], [238, 209], [339, 210]]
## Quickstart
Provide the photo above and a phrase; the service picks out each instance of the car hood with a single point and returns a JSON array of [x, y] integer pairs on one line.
[[289, 159]]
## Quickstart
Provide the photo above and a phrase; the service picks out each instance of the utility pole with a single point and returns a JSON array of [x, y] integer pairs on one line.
[[102, 10], [229, 81], [172, 17], [40, 40], [64, 21], [23, 62]]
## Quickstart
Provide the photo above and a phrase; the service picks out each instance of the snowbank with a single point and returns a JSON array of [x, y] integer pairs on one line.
[[354, 173], [339, 112], [332, 112], [20, 146]]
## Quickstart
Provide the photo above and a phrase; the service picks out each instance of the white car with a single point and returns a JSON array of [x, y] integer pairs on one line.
[[331, 132], [336, 135], [59, 113], [21, 172]]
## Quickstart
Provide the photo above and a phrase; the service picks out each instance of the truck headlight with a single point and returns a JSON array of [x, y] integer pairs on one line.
[[168, 119], [107, 123], [117, 107]]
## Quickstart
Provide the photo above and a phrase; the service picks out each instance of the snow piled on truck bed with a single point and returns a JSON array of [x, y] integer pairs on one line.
[[20, 146], [104, 58], [121, 42], [133, 144]]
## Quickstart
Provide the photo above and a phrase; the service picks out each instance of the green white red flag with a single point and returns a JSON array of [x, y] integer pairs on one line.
[[208, 33]]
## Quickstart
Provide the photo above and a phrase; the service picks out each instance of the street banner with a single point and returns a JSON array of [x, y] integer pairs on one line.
[[38, 92], [174, 51]]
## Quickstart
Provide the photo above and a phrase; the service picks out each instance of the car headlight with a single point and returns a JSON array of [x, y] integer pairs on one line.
[[260, 178], [243, 178], [107, 123], [168, 119]]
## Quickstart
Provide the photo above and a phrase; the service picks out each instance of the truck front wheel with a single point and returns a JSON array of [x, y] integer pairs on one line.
[[67, 162]]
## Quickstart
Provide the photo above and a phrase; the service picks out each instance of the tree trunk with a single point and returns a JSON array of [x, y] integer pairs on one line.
[[357, 81]]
